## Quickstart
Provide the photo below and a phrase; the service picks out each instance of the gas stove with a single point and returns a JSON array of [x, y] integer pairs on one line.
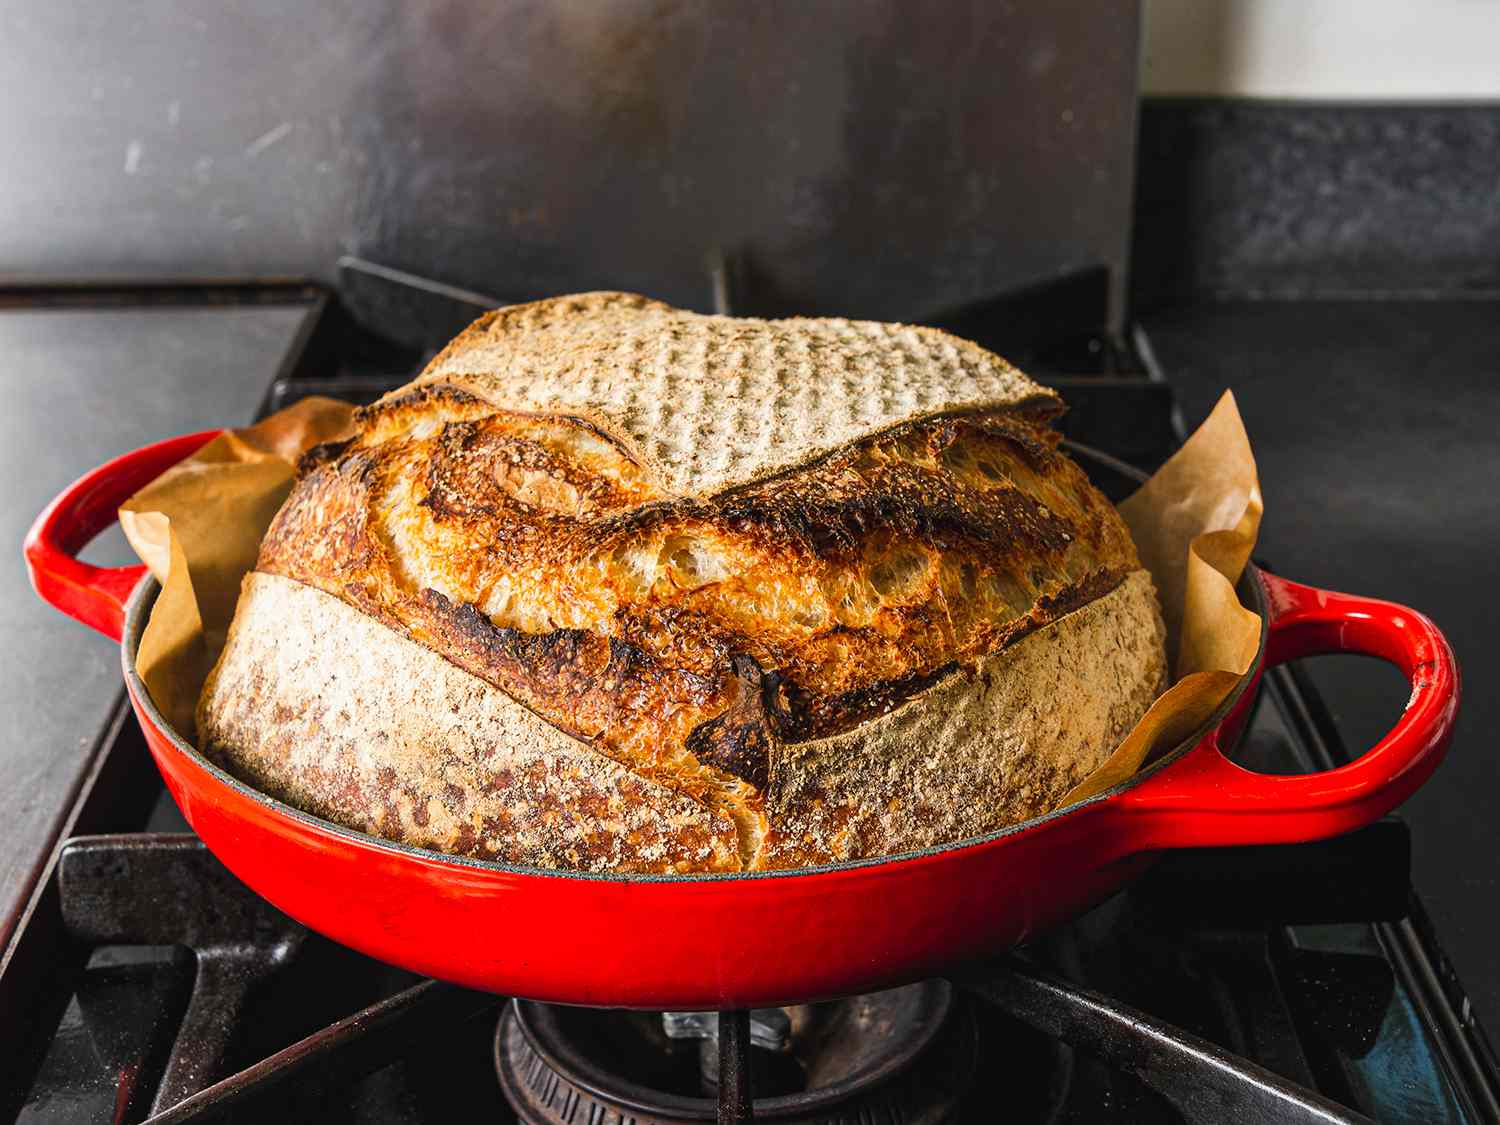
[[1276, 984]]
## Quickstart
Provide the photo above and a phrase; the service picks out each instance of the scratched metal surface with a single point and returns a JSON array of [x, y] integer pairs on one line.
[[870, 158], [80, 386]]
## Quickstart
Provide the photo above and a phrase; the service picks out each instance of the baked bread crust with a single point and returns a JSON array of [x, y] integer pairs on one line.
[[743, 618], [992, 746], [323, 707], [709, 403]]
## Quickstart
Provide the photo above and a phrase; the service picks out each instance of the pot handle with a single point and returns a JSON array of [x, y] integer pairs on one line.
[[1203, 799], [96, 595]]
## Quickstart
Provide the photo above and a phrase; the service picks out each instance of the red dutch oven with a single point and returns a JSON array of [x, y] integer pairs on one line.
[[738, 941]]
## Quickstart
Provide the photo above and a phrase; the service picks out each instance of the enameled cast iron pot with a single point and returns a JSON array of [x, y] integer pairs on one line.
[[732, 941]]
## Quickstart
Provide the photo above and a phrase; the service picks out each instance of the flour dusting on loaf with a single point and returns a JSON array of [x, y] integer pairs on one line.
[[699, 593], [323, 707], [1034, 720], [710, 402]]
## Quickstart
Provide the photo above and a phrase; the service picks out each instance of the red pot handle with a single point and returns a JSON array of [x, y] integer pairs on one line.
[[1204, 799], [96, 595]]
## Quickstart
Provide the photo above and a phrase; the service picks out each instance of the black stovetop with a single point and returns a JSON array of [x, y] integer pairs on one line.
[[1261, 984]]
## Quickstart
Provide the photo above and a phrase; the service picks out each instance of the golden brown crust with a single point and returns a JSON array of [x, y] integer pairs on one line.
[[532, 553], [319, 705], [1027, 724], [844, 574]]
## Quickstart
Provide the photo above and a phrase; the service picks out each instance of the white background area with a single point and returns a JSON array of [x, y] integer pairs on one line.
[[1419, 50]]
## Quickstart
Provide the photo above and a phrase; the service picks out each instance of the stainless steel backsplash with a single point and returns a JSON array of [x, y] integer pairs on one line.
[[884, 158]]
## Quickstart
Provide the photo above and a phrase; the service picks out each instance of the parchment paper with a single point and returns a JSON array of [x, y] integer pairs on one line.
[[1194, 524], [198, 527]]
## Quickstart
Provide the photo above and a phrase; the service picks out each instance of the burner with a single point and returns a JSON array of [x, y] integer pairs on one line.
[[903, 1055]]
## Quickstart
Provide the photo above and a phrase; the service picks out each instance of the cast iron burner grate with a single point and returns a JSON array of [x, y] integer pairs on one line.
[[907, 1055]]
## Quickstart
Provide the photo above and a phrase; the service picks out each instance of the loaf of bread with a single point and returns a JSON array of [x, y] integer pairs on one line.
[[612, 586]]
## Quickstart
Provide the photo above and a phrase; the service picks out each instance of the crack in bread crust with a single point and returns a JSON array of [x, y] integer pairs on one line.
[[320, 705], [1034, 720], [688, 639]]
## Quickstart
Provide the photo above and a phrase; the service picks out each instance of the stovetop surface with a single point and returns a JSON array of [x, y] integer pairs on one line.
[[83, 383], [1314, 962]]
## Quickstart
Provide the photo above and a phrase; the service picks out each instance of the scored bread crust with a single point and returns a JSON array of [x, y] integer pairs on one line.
[[323, 707], [816, 600], [777, 618], [996, 745]]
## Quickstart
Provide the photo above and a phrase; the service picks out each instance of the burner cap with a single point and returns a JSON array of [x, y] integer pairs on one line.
[[907, 1054]]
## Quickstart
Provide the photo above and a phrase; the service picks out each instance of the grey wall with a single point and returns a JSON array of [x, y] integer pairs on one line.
[[881, 157]]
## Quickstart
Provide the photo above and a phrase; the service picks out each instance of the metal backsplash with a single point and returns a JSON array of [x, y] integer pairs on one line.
[[883, 158]]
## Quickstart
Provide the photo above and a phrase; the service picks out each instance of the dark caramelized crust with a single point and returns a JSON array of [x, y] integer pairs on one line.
[[686, 638]]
